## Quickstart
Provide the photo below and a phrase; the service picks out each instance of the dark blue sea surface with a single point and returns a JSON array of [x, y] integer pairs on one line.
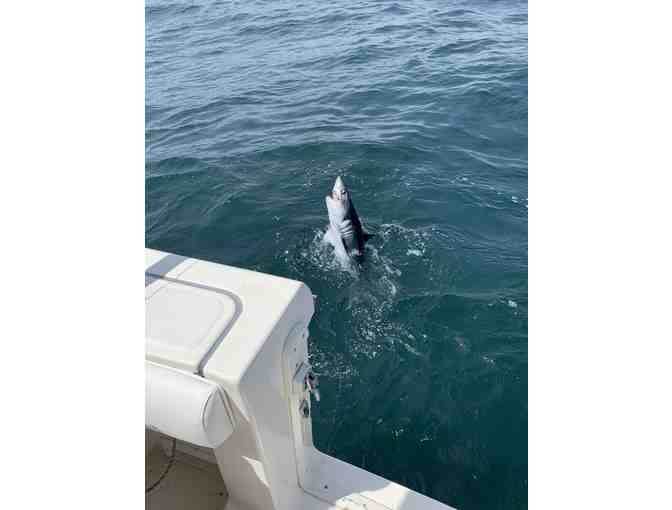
[[253, 108]]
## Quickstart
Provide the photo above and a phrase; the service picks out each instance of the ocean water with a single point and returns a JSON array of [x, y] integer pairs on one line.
[[253, 108]]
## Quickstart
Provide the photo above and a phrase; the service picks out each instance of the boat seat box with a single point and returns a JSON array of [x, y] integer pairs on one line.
[[226, 354]]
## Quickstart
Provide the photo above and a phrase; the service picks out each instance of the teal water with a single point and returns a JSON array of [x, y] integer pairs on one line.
[[252, 110]]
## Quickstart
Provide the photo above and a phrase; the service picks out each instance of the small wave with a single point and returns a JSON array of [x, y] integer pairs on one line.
[[464, 46], [395, 8]]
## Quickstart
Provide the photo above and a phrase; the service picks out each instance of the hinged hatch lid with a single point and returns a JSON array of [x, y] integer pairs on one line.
[[184, 322]]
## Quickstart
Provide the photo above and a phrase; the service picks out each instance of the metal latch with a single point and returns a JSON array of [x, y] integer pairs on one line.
[[304, 408], [306, 380], [312, 383]]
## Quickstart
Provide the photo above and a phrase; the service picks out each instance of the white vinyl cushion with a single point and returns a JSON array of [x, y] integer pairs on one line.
[[185, 406]]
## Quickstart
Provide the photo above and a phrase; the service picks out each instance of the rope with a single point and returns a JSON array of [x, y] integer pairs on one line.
[[165, 471]]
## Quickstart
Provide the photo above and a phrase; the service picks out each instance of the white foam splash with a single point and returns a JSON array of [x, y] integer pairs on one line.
[[370, 291]]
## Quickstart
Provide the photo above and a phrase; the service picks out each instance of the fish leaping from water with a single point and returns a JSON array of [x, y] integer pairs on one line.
[[345, 232]]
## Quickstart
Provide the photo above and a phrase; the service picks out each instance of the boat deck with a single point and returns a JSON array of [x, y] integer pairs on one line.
[[190, 484]]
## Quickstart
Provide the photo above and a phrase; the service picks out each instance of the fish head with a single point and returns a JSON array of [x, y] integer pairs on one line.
[[339, 192], [338, 202]]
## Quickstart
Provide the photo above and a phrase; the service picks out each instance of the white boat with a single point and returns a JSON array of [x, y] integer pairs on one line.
[[228, 398]]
